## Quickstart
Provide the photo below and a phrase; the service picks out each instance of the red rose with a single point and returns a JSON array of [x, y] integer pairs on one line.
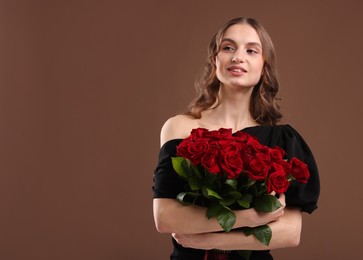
[[258, 167], [241, 137], [254, 144], [249, 146], [277, 154], [210, 161], [247, 157], [286, 165], [192, 150], [299, 170], [198, 133], [277, 180], [228, 145], [222, 133], [231, 163], [182, 148]]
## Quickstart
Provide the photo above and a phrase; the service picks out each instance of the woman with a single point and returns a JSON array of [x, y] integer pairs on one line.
[[238, 91]]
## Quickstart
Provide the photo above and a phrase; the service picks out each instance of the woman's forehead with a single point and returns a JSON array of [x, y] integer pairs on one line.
[[242, 33]]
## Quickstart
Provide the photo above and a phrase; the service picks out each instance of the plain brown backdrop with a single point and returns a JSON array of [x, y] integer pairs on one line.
[[85, 87]]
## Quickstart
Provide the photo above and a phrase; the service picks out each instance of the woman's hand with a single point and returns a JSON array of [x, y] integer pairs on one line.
[[262, 218], [203, 241]]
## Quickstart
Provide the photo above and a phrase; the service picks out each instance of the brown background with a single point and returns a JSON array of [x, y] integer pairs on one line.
[[85, 87]]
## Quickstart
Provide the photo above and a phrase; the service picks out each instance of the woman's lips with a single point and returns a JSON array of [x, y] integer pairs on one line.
[[236, 70]]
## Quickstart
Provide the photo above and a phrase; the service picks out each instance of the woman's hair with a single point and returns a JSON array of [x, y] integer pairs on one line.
[[263, 106]]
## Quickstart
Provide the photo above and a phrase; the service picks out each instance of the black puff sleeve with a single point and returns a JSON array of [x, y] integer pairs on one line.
[[304, 196], [167, 183]]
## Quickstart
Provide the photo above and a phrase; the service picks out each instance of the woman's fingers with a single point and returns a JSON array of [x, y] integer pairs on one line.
[[282, 199], [263, 218]]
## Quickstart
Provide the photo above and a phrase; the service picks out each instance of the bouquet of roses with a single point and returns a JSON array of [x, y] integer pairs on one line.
[[225, 172]]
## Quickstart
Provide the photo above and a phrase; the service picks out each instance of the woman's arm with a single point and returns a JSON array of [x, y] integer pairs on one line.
[[172, 217], [286, 232]]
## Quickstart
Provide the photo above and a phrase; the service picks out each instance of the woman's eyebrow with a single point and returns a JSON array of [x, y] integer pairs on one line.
[[257, 44], [228, 40]]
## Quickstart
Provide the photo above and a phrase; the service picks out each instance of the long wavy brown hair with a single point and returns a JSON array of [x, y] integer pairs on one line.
[[263, 104]]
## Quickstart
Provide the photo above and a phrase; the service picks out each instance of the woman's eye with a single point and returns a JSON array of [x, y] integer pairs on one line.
[[227, 48], [252, 51]]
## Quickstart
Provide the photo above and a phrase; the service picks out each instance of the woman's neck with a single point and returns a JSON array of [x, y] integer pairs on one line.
[[232, 111]]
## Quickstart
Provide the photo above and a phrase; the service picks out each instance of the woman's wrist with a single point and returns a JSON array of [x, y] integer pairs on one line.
[[245, 218]]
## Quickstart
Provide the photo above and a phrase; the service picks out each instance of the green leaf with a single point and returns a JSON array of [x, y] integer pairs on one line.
[[245, 201], [196, 170], [213, 210], [267, 203], [247, 197], [235, 195], [227, 202], [247, 231], [207, 192], [262, 190], [177, 165], [226, 219], [244, 204], [262, 233], [195, 183], [212, 180], [232, 183], [186, 165], [250, 182]]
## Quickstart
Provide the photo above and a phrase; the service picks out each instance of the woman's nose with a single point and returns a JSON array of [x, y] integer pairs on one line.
[[238, 57]]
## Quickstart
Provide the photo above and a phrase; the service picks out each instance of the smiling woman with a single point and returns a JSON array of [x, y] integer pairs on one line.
[[264, 107], [237, 91], [240, 44]]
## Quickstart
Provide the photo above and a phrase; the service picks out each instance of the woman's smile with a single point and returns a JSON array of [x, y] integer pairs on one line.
[[235, 70]]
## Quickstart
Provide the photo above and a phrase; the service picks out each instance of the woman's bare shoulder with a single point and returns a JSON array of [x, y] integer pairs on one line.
[[177, 127]]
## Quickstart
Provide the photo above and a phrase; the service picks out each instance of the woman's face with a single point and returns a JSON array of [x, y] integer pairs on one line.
[[239, 61]]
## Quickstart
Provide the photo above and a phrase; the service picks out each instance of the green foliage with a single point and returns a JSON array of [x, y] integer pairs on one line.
[[262, 233], [213, 210], [267, 203], [195, 183], [232, 183], [245, 201], [221, 196], [226, 219], [209, 193], [180, 167]]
